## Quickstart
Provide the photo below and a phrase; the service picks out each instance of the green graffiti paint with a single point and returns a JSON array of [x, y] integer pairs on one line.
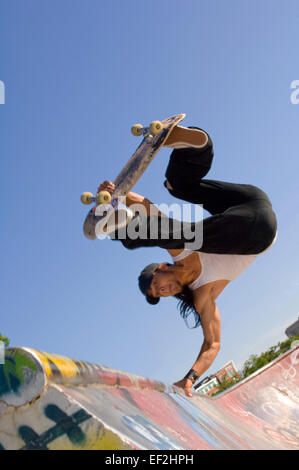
[[11, 372]]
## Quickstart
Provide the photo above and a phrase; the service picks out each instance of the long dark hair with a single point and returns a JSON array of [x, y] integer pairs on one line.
[[186, 306]]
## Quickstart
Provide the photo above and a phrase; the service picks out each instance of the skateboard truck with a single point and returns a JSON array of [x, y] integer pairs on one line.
[[155, 128], [103, 197]]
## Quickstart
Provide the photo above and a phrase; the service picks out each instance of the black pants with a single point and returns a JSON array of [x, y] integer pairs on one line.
[[242, 219]]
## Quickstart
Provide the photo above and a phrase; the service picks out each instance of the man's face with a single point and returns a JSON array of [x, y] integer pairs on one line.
[[164, 283]]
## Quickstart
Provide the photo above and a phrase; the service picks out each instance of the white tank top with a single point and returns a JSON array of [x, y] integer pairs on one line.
[[216, 267]]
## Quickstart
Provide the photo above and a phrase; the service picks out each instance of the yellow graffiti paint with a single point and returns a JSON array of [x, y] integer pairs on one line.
[[67, 367], [44, 362]]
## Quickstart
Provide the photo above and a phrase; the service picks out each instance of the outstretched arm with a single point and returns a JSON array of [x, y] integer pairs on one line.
[[211, 324]]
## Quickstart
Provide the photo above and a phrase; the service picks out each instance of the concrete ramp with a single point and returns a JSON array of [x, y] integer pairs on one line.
[[52, 402]]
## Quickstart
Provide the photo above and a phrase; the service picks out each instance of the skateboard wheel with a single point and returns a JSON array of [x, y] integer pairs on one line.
[[87, 198], [156, 127], [137, 129], [103, 197]]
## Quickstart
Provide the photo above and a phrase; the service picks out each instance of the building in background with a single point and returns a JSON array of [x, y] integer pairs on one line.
[[293, 329], [210, 385]]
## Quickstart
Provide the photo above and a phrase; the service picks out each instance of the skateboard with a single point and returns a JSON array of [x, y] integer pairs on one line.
[[154, 137]]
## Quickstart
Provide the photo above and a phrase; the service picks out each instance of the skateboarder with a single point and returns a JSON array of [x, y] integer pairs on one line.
[[242, 225]]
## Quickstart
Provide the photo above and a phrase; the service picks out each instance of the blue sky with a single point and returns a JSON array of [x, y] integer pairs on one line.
[[77, 75]]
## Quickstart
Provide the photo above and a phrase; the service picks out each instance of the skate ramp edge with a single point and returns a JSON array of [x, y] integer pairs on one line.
[[53, 402]]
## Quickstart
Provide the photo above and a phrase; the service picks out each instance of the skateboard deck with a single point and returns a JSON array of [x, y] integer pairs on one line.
[[129, 175]]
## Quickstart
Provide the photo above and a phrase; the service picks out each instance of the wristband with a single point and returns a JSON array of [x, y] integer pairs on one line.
[[192, 375]]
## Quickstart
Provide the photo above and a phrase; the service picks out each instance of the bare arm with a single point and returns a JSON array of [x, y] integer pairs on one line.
[[211, 324]]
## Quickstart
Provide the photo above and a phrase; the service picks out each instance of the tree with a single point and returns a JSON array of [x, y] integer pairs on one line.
[[255, 362], [227, 383]]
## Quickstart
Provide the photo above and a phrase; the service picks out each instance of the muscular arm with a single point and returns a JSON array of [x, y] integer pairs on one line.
[[211, 324], [210, 318]]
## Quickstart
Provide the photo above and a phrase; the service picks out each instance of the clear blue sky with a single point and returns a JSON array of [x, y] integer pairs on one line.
[[77, 75]]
